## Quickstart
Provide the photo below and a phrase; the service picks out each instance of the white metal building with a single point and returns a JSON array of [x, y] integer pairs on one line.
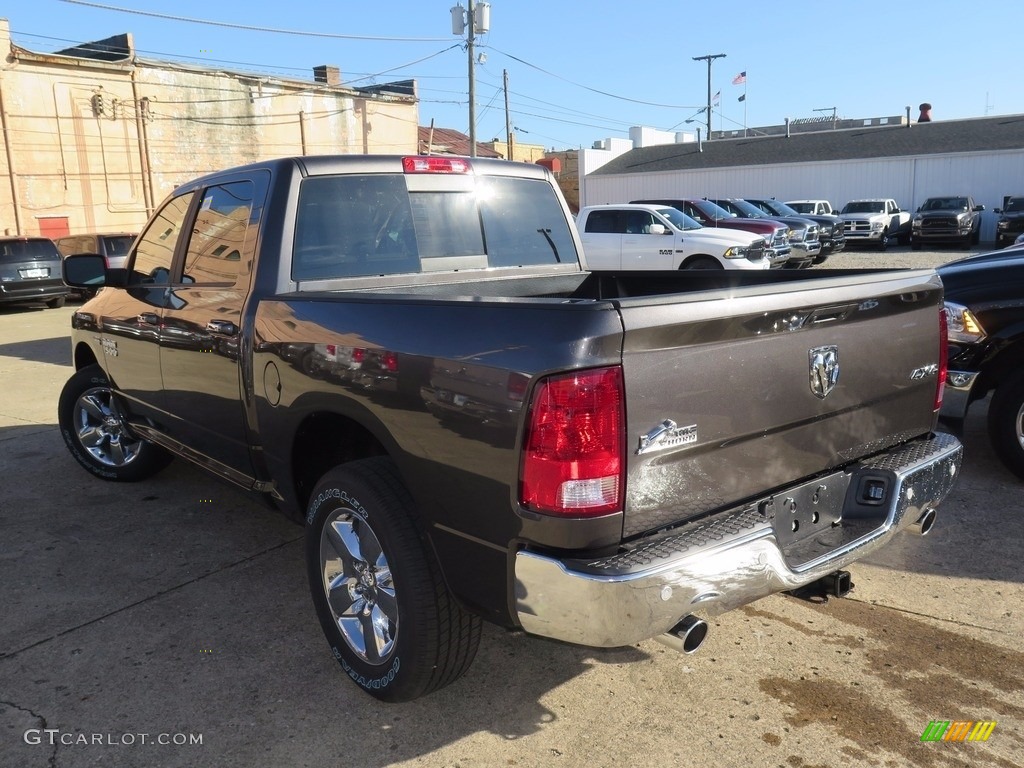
[[981, 157]]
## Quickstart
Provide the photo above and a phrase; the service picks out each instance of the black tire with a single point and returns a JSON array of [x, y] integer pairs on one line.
[[56, 302], [903, 238], [95, 433], [1006, 423], [915, 245], [702, 262], [362, 537], [883, 241]]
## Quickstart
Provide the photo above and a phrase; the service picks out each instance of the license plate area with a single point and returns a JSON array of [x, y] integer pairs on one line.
[[35, 272], [807, 510]]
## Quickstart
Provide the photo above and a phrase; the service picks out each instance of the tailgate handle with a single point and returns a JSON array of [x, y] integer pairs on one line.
[[830, 314]]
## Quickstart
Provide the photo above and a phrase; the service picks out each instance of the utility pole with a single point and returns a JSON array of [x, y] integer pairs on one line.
[[709, 58], [476, 20], [508, 120]]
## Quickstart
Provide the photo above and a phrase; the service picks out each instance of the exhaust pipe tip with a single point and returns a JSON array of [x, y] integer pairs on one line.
[[686, 636], [924, 523]]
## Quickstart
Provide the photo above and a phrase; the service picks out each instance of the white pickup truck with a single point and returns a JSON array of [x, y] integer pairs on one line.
[[876, 222], [639, 236], [812, 207]]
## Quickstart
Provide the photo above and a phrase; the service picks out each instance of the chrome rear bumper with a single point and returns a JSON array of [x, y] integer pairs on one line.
[[732, 559]]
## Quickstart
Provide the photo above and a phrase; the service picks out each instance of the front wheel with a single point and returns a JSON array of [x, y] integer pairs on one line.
[[56, 302], [1006, 423], [883, 241], [96, 433], [702, 262], [388, 615]]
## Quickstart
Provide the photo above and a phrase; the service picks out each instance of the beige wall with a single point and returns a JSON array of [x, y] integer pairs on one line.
[[160, 125], [526, 153]]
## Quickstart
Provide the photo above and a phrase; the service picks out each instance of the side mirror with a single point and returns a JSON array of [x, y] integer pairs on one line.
[[979, 208], [997, 210], [657, 229], [84, 270]]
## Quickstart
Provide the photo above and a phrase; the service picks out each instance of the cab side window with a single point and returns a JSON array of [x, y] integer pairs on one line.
[[607, 222], [154, 252], [222, 243]]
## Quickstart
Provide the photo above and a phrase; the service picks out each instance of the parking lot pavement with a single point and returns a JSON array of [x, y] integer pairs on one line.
[[176, 610]]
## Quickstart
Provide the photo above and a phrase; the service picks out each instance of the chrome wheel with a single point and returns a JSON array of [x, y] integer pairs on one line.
[[359, 588], [101, 430]]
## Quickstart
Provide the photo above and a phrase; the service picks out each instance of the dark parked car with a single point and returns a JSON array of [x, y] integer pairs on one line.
[[30, 271], [112, 246], [955, 219], [985, 313], [1010, 226], [831, 232]]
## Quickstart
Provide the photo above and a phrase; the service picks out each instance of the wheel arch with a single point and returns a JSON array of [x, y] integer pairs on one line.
[[684, 264], [1007, 363], [83, 356]]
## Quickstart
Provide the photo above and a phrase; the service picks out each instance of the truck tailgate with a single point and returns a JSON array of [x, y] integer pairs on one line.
[[735, 393]]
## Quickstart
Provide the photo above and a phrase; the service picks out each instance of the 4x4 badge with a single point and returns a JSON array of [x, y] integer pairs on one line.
[[824, 370]]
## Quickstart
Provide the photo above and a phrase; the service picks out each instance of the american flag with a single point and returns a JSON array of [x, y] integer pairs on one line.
[[740, 79]]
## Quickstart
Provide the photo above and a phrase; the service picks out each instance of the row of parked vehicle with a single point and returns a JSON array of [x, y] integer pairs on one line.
[[30, 267], [725, 233], [710, 233]]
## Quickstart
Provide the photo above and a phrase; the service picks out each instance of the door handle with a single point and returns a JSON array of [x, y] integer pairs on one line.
[[222, 327], [149, 318]]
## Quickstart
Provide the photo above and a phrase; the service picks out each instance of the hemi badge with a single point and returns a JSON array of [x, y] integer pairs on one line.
[[666, 435]]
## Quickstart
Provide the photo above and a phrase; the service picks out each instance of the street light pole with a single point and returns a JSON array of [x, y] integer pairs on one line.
[[709, 58]]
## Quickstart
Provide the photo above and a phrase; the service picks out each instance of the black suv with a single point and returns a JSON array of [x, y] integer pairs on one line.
[[831, 232], [953, 219], [30, 271], [1011, 220]]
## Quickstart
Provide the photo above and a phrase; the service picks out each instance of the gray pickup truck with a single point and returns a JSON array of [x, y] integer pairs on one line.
[[409, 356]]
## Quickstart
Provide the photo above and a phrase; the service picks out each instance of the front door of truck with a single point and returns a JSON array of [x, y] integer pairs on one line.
[[645, 246], [130, 318], [201, 340]]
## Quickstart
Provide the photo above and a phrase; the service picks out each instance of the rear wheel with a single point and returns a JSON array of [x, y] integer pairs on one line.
[[1006, 423], [388, 615], [56, 302], [96, 433]]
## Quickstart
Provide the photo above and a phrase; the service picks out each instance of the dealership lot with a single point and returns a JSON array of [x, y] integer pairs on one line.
[[169, 623]]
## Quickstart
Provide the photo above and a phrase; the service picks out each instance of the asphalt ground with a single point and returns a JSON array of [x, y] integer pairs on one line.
[[168, 623]]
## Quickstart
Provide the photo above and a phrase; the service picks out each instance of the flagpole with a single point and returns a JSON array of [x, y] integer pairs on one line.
[[744, 107]]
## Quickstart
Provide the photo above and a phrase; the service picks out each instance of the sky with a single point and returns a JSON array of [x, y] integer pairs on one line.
[[582, 72]]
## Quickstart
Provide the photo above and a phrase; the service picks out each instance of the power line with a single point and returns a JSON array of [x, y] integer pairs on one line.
[[580, 85], [253, 28]]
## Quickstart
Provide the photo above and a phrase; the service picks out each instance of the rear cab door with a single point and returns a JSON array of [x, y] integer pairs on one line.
[[201, 335], [602, 238]]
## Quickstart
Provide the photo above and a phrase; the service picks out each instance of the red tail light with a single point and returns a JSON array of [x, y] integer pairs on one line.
[[389, 362], [574, 450], [943, 357], [358, 354], [517, 384], [435, 164]]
